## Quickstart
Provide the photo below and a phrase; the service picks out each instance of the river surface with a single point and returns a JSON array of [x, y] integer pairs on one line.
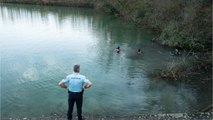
[[40, 44]]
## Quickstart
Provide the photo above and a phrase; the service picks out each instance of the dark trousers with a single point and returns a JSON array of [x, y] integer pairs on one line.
[[75, 97]]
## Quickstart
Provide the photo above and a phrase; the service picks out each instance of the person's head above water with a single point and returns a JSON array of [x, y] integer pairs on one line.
[[139, 51], [76, 68], [118, 49]]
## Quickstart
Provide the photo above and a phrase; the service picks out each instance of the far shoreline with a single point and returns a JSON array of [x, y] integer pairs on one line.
[[64, 4]]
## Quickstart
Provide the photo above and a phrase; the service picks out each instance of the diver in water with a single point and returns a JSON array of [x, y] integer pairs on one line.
[[139, 52], [118, 49]]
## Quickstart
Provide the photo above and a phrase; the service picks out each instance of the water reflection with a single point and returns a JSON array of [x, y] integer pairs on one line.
[[39, 44]]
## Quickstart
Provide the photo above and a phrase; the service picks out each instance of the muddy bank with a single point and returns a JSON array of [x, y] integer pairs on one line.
[[174, 116]]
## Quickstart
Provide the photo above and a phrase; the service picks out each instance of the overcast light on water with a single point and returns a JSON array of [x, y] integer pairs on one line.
[[39, 46]]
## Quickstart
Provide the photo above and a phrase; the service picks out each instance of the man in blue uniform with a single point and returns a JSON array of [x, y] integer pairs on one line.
[[76, 84]]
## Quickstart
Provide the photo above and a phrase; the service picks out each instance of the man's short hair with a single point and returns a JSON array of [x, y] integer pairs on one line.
[[76, 68]]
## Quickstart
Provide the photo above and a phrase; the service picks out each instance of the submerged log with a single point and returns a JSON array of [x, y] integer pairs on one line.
[[207, 109]]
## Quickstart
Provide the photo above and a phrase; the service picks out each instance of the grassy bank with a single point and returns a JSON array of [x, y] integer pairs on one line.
[[186, 68]]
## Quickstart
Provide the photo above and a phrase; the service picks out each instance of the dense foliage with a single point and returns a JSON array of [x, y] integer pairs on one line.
[[181, 23]]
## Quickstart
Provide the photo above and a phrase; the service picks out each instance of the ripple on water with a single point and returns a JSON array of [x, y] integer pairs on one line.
[[30, 74]]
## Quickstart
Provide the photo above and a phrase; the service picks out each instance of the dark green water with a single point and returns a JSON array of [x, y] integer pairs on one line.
[[40, 44]]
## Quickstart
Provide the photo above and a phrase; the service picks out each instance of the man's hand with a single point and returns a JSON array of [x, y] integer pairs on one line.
[[88, 85], [62, 85]]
